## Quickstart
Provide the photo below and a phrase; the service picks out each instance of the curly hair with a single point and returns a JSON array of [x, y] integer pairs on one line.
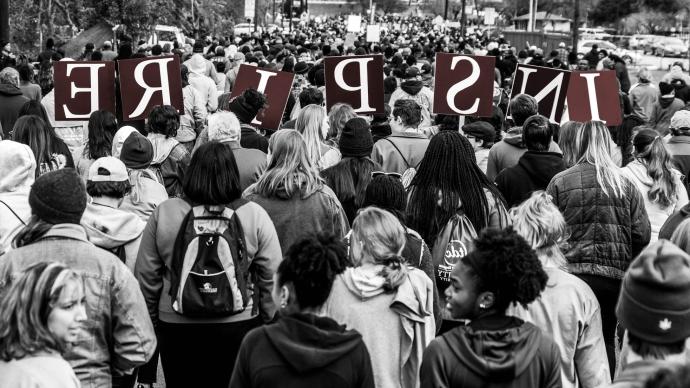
[[504, 263]]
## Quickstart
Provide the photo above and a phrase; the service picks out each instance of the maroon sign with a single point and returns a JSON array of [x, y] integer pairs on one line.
[[276, 85], [548, 86], [464, 85], [147, 82], [82, 88], [593, 95], [355, 80]]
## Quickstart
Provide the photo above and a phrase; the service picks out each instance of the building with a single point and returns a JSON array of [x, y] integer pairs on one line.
[[544, 22]]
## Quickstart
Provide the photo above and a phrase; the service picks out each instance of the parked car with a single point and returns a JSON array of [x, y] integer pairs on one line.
[[670, 47], [638, 41], [245, 29], [629, 56], [650, 44]]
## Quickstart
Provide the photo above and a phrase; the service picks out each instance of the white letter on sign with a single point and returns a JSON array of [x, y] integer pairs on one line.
[[263, 81], [93, 76], [164, 88], [364, 92], [592, 95], [464, 84], [556, 83]]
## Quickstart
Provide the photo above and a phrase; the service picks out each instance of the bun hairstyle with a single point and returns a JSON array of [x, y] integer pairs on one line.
[[383, 238], [505, 264], [651, 151], [311, 265]]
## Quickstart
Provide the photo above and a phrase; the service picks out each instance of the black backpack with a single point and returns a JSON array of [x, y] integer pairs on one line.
[[210, 267]]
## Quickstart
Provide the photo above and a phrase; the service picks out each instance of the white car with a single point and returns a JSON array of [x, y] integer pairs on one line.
[[629, 56], [245, 29]]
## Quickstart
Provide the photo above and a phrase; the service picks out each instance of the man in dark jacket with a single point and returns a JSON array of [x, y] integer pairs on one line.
[[535, 168], [11, 100], [593, 57]]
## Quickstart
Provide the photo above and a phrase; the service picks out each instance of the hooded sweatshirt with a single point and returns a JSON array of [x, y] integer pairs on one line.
[[494, 351], [170, 161], [416, 91], [11, 101], [663, 110], [533, 172], [507, 152], [17, 172], [303, 350], [657, 213], [113, 230]]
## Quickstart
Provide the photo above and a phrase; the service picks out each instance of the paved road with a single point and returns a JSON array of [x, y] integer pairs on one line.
[[659, 63]]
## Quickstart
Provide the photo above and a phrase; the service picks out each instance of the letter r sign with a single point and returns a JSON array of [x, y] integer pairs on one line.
[[355, 80]]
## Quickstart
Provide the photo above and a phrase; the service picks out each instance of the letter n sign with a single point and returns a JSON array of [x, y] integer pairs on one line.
[[355, 80], [83, 88], [464, 85], [548, 86], [147, 82]]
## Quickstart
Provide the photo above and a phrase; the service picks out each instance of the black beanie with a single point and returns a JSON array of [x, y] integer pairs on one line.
[[58, 197], [355, 140], [244, 109], [137, 151]]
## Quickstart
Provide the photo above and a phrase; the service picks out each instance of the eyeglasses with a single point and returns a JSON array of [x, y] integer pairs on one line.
[[391, 174]]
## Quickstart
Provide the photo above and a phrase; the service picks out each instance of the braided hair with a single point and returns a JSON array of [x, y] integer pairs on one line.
[[448, 173]]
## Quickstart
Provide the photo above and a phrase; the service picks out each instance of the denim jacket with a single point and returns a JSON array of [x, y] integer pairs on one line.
[[118, 335]]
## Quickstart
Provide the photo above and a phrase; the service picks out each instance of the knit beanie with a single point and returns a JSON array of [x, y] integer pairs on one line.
[[666, 90], [247, 105], [137, 151], [654, 302], [355, 140], [58, 197]]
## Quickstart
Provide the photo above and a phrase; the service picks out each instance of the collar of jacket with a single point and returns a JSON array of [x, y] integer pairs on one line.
[[66, 231], [409, 134]]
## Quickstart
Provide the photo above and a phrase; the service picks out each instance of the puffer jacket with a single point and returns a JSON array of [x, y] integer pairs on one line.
[[606, 233]]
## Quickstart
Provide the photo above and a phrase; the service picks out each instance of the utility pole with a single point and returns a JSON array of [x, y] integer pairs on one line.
[[445, 10], [530, 25], [5, 20], [576, 25], [463, 19]]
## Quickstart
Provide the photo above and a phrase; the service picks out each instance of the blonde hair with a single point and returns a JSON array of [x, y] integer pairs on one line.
[[593, 145], [309, 123], [681, 236], [566, 141], [289, 169], [339, 115], [659, 164], [542, 225], [383, 238]]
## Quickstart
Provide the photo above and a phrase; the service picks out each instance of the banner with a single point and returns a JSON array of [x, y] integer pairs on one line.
[[373, 33], [276, 85], [355, 80], [82, 88], [147, 82], [354, 23], [593, 95], [548, 86], [464, 85]]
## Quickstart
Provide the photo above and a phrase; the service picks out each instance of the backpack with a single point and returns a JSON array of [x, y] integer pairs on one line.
[[454, 242], [210, 267], [410, 172], [21, 225]]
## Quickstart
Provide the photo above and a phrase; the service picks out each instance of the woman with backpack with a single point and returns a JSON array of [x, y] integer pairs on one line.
[[50, 151], [201, 312], [390, 304], [294, 195], [350, 177], [102, 128], [655, 175], [494, 349], [606, 216], [170, 157], [303, 349], [312, 123]]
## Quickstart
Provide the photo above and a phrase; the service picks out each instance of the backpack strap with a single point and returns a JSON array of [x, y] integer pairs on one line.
[[399, 152], [15, 214]]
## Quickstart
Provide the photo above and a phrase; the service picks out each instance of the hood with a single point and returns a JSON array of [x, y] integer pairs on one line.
[[498, 355], [412, 87], [307, 342], [639, 171], [119, 139], [10, 90], [365, 281], [110, 228], [514, 137], [161, 147], [17, 166], [542, 166], [666, 101]]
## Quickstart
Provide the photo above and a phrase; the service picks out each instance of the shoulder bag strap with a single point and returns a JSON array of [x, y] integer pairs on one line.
[[15, 214], [398, 149]]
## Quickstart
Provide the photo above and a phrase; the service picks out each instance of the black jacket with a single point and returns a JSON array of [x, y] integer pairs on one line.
[[11, 102], [533, 172], [249, 138], [673, 221], [303, 350], [495, 351]]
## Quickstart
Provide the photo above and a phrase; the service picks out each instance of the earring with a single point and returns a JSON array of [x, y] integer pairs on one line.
[[482, 306], [283, 305]]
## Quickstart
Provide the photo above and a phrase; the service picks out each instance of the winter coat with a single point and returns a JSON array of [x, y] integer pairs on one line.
[[635, 374], [170, 162], [303, 350], [118, 334], [194, 117], [295, 217], [658, 214], [147, 193], [643, 97], [533, 172], [411, 145], [416, 91], [679, 147], [11, 100], [206, 89], [152, 268], [673, 221], [508, 152], [249, 138], [114, 230], [30, 90], [17, 172], [606, 232], [663, 110], [45, 370], [251, 163], [569, 312], [396, 326], [494, 351]]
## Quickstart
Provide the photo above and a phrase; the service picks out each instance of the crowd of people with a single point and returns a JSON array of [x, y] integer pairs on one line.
[[403, 249]]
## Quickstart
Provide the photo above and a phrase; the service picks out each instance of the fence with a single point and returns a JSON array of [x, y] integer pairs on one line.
[[546, 41]]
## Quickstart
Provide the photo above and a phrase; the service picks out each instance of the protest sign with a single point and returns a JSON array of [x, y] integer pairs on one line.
[[373, 33], [593, 95], [355, 80], [354, 23], [276, 85], [548, 86], [464, 85], [147, 82], [82, 88]]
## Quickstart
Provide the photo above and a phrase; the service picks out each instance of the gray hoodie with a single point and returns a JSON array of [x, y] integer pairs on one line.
[[17, 172]]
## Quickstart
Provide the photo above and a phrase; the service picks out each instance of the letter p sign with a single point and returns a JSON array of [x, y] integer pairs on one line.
[[355, 80]]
